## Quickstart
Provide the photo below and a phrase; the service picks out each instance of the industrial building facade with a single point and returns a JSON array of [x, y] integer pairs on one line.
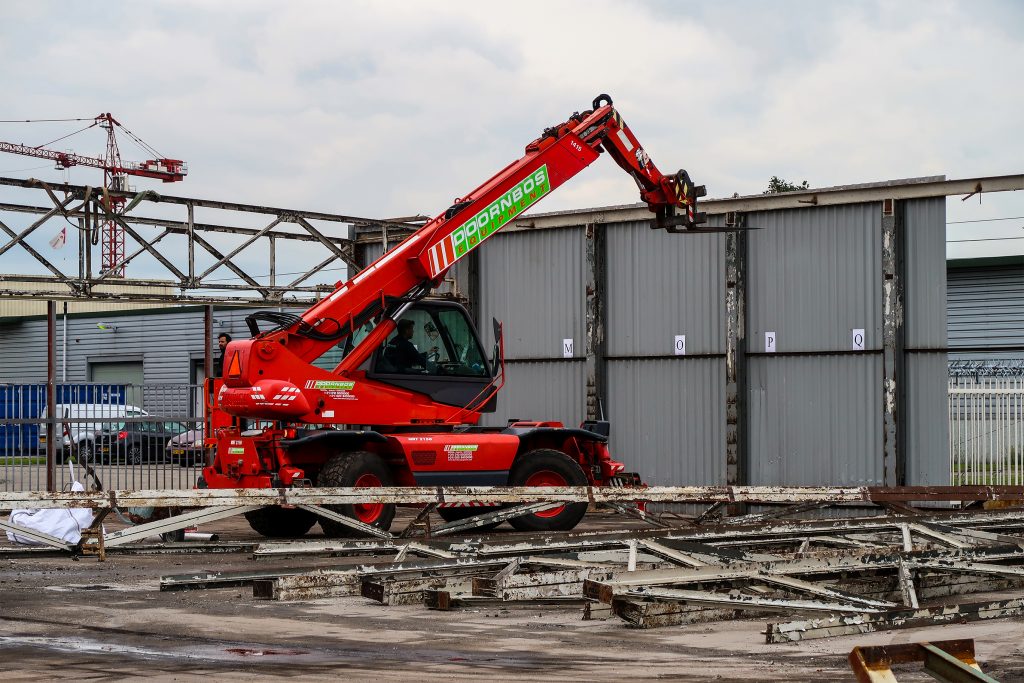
[[808, 346]]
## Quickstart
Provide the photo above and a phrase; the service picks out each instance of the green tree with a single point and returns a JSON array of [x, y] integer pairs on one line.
[[777, 184]]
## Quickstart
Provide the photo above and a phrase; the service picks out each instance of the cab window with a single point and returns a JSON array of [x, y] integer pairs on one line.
[[431, 342]]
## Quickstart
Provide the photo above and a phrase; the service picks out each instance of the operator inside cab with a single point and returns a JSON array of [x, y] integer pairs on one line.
[[402, 354]]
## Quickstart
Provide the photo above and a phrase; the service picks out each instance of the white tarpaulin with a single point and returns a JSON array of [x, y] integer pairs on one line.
[[64, 523]]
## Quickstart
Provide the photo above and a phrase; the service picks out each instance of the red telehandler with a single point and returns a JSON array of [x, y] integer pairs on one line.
[[401, 404]]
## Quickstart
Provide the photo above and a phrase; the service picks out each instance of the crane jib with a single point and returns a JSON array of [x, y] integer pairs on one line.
[[489, 220]]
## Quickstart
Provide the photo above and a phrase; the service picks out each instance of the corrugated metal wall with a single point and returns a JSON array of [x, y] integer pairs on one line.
[[667, 410], [814, 275], [164, 340], [668, 418], [661, 285], [534, 283], [814, 406], [926, 339], [986, 308], [815, 419]]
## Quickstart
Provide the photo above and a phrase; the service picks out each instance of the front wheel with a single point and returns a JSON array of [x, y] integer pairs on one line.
[[277, 522], [358, 469], [548, 467]]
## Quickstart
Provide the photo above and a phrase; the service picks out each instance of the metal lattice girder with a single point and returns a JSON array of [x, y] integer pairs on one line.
[[84, 205], [805, 566], [827, 627], [37, 536], [163, 526], [742, 601], [355, 524], [493, 495]]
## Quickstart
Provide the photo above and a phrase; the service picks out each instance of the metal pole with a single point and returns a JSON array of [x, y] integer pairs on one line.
[[52, 434], [596, 293], [208, 341], [64, 347]]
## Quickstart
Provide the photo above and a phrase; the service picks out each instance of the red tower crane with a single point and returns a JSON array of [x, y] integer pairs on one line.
[[115, 176]]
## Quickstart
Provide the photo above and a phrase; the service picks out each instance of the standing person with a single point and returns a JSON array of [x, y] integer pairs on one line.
[[218, 363]]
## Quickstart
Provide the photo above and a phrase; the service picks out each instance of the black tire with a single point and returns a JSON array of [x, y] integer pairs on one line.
[[459, 514], [346, 469], [541, 462], [86, 453], [278, 522]]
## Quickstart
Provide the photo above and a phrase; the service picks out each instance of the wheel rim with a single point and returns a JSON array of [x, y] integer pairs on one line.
[[368, 512], [134, 456], [547, 478]]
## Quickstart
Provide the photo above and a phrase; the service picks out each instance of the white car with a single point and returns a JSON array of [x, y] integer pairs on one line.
[[79, 433]]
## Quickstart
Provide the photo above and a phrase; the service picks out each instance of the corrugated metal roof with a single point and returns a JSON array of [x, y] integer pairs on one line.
[[16, 308]]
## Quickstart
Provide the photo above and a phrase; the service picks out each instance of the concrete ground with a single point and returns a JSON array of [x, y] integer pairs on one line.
[[87, 620]]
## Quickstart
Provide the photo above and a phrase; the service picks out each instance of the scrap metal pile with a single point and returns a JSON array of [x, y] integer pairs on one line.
[[809, 579]]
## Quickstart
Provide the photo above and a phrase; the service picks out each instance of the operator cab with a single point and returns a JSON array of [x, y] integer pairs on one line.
[[435, 350]]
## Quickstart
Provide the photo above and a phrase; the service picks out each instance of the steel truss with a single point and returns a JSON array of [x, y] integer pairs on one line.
[[895, 570], [661, 577], [88, 208], [215, 504]]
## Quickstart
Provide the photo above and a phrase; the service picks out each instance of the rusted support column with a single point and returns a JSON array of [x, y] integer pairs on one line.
[[736, 253], [208, 341], [893, 338], [596, 295], [53, 433]]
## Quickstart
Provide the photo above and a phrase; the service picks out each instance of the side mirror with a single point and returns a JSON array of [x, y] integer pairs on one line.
[[498, 353]]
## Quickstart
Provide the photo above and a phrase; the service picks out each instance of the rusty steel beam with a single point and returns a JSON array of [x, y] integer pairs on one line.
[[508, 494], [908, 188], [82, 191], [828, 627]]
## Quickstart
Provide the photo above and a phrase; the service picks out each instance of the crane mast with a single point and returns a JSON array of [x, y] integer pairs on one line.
[[115, 177]]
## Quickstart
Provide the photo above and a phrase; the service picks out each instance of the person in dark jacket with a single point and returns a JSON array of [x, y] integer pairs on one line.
[[401, 352], [218, 363]]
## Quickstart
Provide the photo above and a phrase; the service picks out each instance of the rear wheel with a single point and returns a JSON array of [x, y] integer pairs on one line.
[[278, 522], [548, 467], [358, 469]]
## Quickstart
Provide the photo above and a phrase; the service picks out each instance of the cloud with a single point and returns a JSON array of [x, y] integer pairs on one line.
[[385, 109]]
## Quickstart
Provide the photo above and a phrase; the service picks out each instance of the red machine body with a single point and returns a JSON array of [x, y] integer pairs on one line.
[[382, 419]]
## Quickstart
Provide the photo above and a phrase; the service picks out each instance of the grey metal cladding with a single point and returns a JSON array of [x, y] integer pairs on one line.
[[660, 285], [668, 418], [166, 339], [927, 429], [986, 307], [534, 283], [925, 286], [815, 420], [813, 276], [550, 390]]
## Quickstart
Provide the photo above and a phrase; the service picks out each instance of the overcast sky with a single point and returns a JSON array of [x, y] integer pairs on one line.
[[395, 108]]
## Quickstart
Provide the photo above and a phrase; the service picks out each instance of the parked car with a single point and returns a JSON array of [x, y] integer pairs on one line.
[[186, 449], [131, 442], [81, 434]]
